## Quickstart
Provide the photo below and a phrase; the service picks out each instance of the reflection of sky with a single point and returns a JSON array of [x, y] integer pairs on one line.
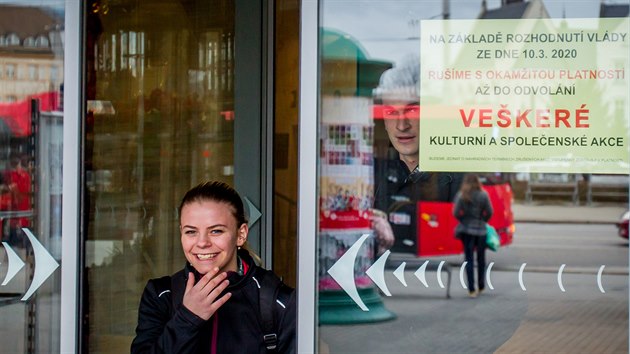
[[57, 4], [389, 29]]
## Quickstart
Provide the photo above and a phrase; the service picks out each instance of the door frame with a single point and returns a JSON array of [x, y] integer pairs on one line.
[[253, 111], [307, 177], [71, 267], [253, 139]]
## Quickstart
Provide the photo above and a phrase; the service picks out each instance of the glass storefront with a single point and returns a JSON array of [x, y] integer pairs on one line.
[[529, 97], [31, 136], [397, 102]]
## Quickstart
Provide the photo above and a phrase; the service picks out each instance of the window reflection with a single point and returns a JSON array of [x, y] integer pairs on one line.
[[416, 204], [31, 123]]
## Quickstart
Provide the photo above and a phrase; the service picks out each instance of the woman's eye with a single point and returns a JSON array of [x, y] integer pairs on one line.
[[190, 232], [215, 232]]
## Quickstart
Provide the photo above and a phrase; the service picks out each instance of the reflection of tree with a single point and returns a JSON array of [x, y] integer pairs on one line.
[[587, 92]]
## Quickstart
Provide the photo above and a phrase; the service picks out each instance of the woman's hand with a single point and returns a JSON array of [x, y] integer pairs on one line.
[[201, 298]]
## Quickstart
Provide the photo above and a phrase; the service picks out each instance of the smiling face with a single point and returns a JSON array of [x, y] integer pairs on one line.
[[402, 124], [210, 235]]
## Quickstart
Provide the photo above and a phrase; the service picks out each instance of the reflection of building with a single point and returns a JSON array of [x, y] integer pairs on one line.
[[514, 9], [613, 10], [31, 66], [509, 10], [31, 58], [608, 187], [612, 95], [615, 98]]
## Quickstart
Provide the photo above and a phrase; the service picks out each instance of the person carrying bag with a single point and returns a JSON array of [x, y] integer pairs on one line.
[[472, 209]]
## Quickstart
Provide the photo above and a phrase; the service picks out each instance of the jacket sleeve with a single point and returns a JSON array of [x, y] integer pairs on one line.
[[286, 337], [487, 208], [458, 211], [157, 331]]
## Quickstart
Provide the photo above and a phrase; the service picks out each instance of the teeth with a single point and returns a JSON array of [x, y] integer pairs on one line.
[[205, 256]]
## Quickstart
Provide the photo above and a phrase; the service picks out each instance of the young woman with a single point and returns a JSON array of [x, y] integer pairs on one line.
[[214, 305], [472, 209]]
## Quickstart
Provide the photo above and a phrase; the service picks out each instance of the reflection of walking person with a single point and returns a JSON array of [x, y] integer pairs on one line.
[[473, 209]]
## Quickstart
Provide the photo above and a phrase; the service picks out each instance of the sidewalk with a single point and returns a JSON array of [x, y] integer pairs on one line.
[[568, 213]]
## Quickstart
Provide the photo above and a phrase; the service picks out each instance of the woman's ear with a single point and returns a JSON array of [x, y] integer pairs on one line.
[[242, 233]]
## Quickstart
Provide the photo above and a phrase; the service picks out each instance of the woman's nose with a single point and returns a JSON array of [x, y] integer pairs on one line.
[[204, 240]]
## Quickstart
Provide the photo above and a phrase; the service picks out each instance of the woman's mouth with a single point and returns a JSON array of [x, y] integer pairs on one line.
[[206, 256]]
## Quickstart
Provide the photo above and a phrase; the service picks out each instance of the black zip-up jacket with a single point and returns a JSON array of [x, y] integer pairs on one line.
[[398, 190], [165, 326], [396, 185]]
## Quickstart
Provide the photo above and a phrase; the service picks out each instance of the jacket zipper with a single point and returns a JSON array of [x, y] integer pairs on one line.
[[215, 329]]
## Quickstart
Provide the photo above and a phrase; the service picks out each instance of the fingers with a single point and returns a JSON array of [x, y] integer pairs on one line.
[[217, 286], [190, 282], [220, 302], [378, 214], [203, 298], [210, 280]]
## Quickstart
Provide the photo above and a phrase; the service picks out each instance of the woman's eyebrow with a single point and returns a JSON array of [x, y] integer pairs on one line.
[[216, 225], [209, 227]]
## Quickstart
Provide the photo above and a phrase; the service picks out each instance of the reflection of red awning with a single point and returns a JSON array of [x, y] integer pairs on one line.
[[409, 111], [412, 111], [17, 115]]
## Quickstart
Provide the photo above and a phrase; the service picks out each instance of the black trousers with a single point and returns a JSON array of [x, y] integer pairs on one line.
[[472, 243]]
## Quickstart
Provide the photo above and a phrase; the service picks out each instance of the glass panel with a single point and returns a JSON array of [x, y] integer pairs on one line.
[[286, 140], [418, 96], [160, 95], [31, 133]]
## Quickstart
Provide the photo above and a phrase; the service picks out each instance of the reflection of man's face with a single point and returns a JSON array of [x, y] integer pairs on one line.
[[401, 119]]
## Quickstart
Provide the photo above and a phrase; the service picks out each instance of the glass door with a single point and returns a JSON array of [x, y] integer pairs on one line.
[[31, 152], [418, 107], [171, 102]]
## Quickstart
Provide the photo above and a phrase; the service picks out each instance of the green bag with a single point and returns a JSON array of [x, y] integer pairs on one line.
[[492, 238]]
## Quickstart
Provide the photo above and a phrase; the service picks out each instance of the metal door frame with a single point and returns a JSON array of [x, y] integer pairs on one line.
[[253, 112], [71, 267], [307, 177]]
